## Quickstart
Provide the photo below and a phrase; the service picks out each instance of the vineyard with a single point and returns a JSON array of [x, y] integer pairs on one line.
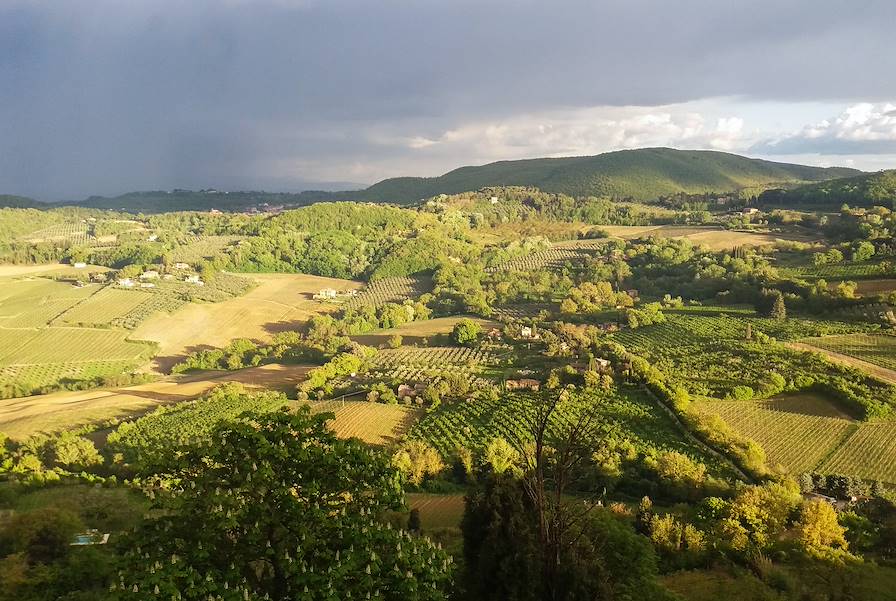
[[174, 426], [517, 312], [806, 433], [879, 349], [104, 308], [796, 431], [711, 356], [869, 452], [623, 415], [200, 248], [75, 233], [389, 290], [555, 258], [35, 303], [843, 271], [374, 423], [431, 364]]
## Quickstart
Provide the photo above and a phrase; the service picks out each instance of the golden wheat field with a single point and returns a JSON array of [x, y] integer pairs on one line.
[[278, 302]]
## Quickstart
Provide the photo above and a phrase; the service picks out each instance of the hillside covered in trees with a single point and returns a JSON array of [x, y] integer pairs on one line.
[[642, 174], [864, 190]]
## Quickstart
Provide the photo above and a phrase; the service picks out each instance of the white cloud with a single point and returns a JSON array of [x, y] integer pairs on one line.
[[578, 132], [863, 128]]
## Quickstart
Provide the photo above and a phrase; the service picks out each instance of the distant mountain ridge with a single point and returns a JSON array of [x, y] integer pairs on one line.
[[642, 174]]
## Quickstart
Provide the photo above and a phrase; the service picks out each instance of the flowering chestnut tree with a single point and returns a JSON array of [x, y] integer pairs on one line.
[[274, 506]]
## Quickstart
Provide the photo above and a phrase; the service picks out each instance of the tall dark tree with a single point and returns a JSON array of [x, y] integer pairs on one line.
[[779, 309], [275, 506]]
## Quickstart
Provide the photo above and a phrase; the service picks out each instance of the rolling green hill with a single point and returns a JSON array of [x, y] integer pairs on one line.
[[643, 174], [864, 190]]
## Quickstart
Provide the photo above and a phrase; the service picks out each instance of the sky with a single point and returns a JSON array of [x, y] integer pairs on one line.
[[105, 96]]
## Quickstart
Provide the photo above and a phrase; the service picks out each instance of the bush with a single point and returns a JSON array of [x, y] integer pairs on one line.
[[741, 393]]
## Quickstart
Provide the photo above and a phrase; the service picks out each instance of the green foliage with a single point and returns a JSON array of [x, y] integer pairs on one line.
[[343, 364], [275, 505], [860, 190], [466, 332]]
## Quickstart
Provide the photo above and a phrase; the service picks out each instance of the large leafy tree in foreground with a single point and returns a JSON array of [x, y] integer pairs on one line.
[[274, 506]]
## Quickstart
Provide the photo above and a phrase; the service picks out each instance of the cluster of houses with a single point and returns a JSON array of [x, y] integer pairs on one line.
[[148, 277], [325, 294]]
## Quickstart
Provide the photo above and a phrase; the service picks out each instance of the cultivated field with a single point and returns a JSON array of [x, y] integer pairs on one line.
[[22, 417], [805, 432], [279, 302], [874, 287], [374, 423], [872, 353], [437, 511], [13, 271], [389, 290], [797, 431]]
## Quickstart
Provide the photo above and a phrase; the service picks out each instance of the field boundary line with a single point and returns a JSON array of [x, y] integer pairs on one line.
[[851, 431], [51, 321], [704, 445], [888, 376]]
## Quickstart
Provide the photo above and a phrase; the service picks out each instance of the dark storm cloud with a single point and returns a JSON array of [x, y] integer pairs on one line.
[[106, 96]]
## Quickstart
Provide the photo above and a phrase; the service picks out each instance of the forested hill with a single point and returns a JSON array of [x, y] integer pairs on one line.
[[643, 174], [864, 190], [162, 201], [19, 202]]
